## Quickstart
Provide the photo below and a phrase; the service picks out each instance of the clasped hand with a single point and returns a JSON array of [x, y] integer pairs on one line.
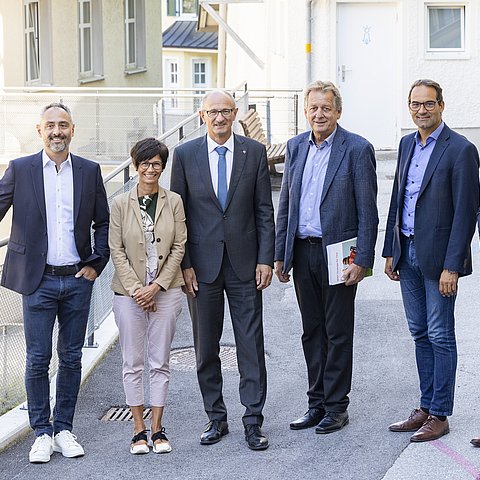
[[145, 297]]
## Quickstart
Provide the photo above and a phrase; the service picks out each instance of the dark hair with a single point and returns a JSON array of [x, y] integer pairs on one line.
[[148, 148], [427, 83], [56, 105]]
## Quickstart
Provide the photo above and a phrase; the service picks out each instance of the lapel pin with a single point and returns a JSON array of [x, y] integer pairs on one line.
[[244, 151]]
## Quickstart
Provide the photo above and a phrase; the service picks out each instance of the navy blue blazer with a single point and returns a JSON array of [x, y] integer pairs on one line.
[[246, 227], [446, 209], [22, 187], [348, 205]]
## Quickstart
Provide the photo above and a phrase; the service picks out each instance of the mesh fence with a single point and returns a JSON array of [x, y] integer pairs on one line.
[[12, 340], [108, 124]]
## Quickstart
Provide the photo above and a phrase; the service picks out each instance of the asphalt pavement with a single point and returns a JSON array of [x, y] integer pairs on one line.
[[385, 390]]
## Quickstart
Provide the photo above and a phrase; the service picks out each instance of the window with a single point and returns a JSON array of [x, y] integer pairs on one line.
[[200, 78], [446, 28], [176, 8], [135, 54], [90, 41], [37, 42], [32, 42], [85, 32], [171, 79], [130, 33], [199, 73]]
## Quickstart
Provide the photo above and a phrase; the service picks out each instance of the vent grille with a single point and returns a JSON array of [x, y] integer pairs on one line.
[[184, 358], [123, 414]]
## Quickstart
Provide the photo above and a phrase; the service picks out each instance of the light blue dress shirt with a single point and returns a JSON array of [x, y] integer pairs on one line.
[[416, 172], [309, 224]]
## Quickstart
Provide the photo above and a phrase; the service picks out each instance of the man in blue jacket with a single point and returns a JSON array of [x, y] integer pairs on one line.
[[430, 226], [56, 197], [328, 195]]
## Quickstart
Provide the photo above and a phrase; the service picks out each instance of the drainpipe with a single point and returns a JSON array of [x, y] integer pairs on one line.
[[222, 44], [308, 40]]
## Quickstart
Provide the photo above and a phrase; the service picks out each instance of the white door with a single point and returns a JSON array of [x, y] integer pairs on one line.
[[367, 70]]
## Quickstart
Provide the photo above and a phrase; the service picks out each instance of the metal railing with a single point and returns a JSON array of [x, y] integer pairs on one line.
[[12, 342], [103, 143]]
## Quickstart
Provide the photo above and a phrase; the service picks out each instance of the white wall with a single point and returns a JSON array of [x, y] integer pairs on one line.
[[275, 31]]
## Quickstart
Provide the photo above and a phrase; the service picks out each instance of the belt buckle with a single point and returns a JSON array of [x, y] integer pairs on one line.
[[52, 270]]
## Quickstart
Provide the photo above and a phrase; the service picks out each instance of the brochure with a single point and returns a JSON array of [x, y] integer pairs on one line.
[[339, 256]]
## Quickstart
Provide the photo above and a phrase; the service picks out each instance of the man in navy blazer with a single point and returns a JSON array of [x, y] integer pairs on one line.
[[328, 195], [56, 197], [430, 225], [224, 183]]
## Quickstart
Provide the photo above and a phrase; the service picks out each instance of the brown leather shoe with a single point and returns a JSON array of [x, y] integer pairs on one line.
[[431, 429], [475, 442], [411, 424]]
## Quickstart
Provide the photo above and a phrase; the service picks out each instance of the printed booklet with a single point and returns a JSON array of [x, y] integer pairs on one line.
[[339, 256]]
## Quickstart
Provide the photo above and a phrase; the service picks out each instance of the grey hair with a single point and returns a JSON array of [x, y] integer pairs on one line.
[[324, 86], [225, 92], [56, 105]]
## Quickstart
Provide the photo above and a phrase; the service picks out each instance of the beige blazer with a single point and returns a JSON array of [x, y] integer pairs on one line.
[[126, 239]]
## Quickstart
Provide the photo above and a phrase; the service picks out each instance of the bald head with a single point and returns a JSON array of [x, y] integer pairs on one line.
[[218, 113]]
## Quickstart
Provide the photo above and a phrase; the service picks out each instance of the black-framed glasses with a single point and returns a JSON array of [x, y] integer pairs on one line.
[[429, 105], [226, 112], [157, 166]]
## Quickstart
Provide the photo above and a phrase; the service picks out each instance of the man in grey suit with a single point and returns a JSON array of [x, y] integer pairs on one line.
[[225, 186], [328, 195], [431, 222]]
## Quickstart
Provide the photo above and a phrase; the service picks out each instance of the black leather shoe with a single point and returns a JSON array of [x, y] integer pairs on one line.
[[256, 440], [214, 431], [311, 418], [332, 421]]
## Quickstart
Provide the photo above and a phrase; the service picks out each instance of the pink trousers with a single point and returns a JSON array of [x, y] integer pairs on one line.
[[147, 337]]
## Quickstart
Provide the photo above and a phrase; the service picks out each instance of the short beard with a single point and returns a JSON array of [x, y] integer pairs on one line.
[[58, 147]]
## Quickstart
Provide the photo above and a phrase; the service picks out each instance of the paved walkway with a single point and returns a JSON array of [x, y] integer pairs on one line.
[[384, 390]]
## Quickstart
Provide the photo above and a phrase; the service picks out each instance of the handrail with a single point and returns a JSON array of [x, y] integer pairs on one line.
[[117, 170], [178, 126]]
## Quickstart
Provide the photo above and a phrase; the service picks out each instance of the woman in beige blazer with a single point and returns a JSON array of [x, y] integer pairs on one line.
[[147, 241]]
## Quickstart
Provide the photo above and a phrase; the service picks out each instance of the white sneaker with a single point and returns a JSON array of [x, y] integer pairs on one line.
[[42, 449], [65, 442]]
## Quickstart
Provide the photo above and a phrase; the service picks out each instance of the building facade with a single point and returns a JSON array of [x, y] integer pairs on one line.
[[373, 50], [100, 43], [189, 56]]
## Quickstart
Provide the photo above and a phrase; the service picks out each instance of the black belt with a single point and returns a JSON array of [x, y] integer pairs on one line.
[[408, 237], [312, 240], [62, 269]]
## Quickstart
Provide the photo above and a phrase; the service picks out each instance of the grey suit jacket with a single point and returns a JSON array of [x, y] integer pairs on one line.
[[245, 228], [22, 187], [348, 205], [446, 209]]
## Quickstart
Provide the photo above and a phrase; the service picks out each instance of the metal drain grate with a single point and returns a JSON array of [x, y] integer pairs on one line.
[[123, 414], [184, 358]]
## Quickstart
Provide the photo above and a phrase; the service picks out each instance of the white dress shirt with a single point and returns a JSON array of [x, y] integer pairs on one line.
[[58, 189], [213, 160]]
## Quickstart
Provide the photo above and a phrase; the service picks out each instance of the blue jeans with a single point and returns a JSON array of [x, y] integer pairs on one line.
[[431, 322], [67, 298]]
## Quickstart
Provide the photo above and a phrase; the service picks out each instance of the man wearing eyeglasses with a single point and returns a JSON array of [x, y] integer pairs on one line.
[[225, 186], [430, 226]]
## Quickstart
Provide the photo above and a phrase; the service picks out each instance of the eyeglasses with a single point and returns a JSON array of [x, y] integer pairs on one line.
[[226, 112], [429, 106], [157, 166]]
